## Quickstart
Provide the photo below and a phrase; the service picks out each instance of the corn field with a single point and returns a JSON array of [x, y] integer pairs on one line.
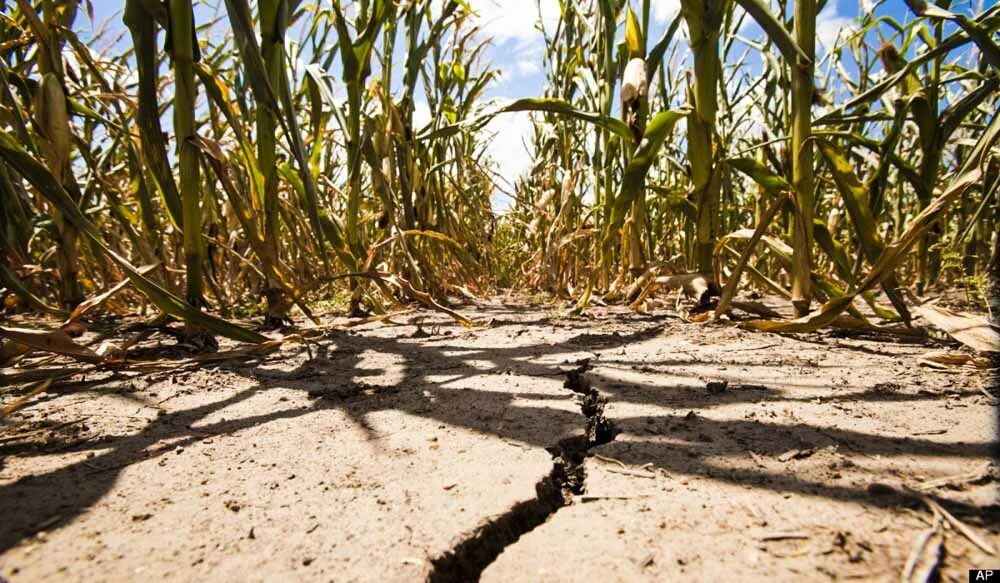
[[278, 303], [267, 162]]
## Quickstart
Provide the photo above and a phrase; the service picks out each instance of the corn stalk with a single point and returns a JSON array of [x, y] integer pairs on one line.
[[704, 20], [184, 53], [802, 154]]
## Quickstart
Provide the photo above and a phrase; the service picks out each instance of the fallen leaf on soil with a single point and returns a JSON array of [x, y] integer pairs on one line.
[[757, 459], [584, 498], [19, 402], [974, 538], [796, 454], [930, 432], [625, 470], [975, 332], [55, 341], [942, 359], [784, 536], [925, 556], [987, 472], [633, 474]]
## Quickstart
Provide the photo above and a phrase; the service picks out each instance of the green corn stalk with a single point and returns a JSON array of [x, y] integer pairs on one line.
[[53, 121], [705, 19], [356, 56], [635, 108], [419, 197], [267, 96], [970, 175], [935, 126], [184, 53], [802, 154], [799, 52], [273, 17]]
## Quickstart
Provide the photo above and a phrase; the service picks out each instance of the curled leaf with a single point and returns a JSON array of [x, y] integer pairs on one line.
[[976, 332], [54, 341]]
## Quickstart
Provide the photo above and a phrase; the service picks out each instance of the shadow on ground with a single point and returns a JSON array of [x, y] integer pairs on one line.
[[334, 379]]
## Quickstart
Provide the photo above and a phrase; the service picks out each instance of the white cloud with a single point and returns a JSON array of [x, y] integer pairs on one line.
[[421, 114], [830, 24], [503, 20], [510, 142], [511, 25], [666, 10], [527, 67]]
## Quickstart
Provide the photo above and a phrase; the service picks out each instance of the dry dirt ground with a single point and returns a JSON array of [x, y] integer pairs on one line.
[[536, 447]]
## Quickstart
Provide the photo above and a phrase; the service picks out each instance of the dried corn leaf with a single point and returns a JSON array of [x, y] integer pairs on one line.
[[19, 402], [976, 332], [96, 300], [925, 557], [54, 341], [948, 358]]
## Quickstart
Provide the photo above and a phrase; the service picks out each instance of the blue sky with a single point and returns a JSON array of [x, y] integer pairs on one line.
[[517, 50]]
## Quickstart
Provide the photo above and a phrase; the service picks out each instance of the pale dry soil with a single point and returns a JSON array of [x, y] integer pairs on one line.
[[413, 452]]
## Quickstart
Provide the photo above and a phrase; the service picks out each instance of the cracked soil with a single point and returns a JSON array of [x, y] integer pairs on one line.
[[615, 446]]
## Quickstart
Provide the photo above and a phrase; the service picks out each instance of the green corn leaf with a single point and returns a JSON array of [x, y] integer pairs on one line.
[[855, 197], [218, 92], [834, 250], [856, 200], [949, 44], [564, 108], [957, 113], [142, 27], [776, 31], [634, 180], [655, 57], [268, 96], [771, 182], [904, 169], [982, 36]]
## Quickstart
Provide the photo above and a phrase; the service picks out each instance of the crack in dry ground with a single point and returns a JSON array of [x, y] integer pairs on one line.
[[476, 551], [816, 439]]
